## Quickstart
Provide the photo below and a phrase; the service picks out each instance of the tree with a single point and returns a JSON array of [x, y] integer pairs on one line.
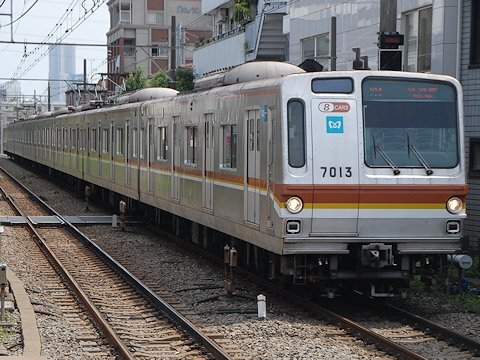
[[158, 80], [241, 11], [136, 80], [185, 78]]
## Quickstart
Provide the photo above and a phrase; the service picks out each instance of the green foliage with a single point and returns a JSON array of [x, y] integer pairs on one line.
[[136, 80], [241, 11], [185, 79], [158, 80], [467, 302]]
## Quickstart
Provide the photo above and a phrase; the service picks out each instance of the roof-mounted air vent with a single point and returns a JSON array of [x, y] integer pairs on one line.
[[251, 71], [151, 94], [259, 70]]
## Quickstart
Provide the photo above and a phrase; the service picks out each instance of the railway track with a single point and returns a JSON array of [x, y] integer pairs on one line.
[[391, 343], [138, 324], [425, 338], [414, 329]]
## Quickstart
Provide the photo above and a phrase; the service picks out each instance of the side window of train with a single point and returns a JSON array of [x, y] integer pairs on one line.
[[93, 140], [119, 138], [474, 157], [65, 138], [229, 146], [74, 138], [105, 141], [134, 143], [296, 133], [162, 142], [191, 144], [141, 144]]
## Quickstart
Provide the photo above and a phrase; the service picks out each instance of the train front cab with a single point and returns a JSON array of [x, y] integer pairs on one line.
[[385, 159]]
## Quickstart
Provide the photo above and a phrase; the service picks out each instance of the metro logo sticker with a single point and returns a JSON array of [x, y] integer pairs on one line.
[[334, 107], [334, 124]]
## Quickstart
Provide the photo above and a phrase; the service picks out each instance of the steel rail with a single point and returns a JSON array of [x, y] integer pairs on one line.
[[349, 326], [98, 319], [459, 340], [215, 350]]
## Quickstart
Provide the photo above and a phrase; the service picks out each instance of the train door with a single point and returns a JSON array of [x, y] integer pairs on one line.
[[334, 136], [77, 147], [208, 163], [112, 151], [150, 155], [54, 145], [266, 115], [127, 163], [88, 148], [252, 178], [100, 148], [176, 160]]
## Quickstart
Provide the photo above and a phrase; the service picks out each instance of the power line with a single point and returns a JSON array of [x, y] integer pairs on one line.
[[74, 44], [19, 73], [21, 16]]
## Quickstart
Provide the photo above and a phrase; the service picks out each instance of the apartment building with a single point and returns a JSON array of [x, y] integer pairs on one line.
[[141, 35]]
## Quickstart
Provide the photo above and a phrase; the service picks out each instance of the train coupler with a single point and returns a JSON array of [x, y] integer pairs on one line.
[[377, 255]]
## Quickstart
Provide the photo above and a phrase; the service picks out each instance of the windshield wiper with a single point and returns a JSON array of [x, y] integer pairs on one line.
[[385, 157], [419, 157]]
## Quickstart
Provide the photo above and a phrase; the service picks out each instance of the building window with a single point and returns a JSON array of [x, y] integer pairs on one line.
[[418, 40], [191, 144], [475, 156], [156, 18], [229, 153], [160, 50], [475, 34], [125, 12], [317, 48], [162, 142], [129, 47]]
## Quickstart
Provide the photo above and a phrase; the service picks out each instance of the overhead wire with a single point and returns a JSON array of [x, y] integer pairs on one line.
[[88, 12], [64, 17], [22, 15]]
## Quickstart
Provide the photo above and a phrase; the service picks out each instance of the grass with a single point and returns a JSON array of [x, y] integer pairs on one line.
[[462, 301]]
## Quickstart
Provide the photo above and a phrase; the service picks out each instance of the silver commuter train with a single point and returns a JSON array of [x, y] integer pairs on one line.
[[347, 178]]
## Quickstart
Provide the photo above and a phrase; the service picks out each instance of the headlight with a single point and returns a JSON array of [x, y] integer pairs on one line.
[[454, 205], [294, 205]]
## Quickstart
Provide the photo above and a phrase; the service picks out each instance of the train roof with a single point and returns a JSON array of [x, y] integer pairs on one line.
[[251, 71]]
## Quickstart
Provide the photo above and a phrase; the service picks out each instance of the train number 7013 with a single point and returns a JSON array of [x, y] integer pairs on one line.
[[336, 171]]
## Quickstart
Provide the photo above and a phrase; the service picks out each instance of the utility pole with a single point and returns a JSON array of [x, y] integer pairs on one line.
[[48, 95], [333, 44], [388, 16], [173, 51], [11, 19]]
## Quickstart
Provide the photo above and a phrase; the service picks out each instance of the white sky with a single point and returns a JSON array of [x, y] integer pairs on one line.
[[37, 24]]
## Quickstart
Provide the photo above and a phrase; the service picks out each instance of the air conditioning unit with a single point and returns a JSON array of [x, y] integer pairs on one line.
[[222, 15]]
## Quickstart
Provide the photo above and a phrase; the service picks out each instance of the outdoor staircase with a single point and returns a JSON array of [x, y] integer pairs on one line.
[[272, 43]]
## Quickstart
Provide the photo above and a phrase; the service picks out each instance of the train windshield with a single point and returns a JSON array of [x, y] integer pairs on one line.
[[410, 123]]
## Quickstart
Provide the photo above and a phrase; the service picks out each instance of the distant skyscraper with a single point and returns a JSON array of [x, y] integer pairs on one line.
[[61, 67]]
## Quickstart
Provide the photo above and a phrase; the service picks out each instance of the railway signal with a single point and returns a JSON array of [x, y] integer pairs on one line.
[[389, 56]]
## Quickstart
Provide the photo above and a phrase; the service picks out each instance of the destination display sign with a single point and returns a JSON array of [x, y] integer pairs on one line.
[[374, 89]]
